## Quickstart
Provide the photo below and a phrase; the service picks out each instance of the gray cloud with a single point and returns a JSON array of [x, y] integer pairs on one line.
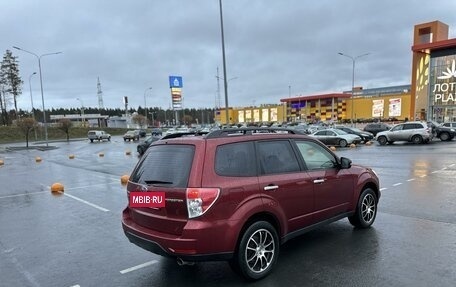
[[270, 45]]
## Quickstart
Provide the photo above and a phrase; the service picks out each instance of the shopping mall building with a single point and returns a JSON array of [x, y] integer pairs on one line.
[[430, 96]]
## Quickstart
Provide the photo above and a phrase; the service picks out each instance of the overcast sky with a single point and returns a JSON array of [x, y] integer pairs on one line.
[[270, 47]]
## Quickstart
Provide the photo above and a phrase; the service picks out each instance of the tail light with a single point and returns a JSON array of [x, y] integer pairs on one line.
[[199, 200]]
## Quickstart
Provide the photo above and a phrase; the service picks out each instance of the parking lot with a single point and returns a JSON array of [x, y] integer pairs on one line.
[[75, 238]]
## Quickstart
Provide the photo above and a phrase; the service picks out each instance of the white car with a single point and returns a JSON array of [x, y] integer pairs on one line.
[[336, 137], [98, 135]]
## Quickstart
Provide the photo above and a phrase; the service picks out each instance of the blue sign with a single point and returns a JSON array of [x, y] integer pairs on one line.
[[175, 82]]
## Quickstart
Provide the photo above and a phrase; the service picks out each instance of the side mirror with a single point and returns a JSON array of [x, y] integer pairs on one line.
[[345, 163]]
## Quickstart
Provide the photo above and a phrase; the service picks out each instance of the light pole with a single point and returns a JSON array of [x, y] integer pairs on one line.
[[41, 84], [145, 105], [353, 78], [82, 111], [225, 81], [31, 100]]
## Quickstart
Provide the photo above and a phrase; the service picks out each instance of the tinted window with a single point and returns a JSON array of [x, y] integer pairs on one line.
[[397, 128], [277, 157], [167, 165], [315, 156], [237, 159]]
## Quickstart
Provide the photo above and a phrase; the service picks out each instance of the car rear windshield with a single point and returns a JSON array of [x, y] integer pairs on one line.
[[165, 165]]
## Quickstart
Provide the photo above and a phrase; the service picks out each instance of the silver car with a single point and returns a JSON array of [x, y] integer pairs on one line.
[[416, 132]]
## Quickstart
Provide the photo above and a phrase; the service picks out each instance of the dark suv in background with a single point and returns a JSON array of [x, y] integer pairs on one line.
[[238, 194], [375, 128]]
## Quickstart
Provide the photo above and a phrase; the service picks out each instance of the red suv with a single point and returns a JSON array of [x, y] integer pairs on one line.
[[238, 194]]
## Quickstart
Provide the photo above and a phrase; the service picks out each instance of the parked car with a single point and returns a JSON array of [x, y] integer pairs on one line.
[[239, 194], [444, 133], [142, 147], [98, 135], [142, 133], [336, 137], [416, 132], [156, 132], [449, 124], [365, 136], [131, 135], [375, 128]]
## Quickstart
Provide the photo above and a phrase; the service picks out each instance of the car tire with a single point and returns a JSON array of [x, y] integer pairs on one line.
[[109, 139], [382, 140], [417, 139], [91, 140], [366, 209], [257, 251], [444, 137], [342, 143]]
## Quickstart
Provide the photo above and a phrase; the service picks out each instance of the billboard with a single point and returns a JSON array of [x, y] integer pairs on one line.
[[175, 84], [394, 108], [377, 108]]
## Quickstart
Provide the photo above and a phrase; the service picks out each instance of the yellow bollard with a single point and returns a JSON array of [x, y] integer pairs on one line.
[[101, 154], [38, 159], [57, 187], [333, 148], [124, 179], [71, 156], [128, 152], [2, 162], [352, 145]]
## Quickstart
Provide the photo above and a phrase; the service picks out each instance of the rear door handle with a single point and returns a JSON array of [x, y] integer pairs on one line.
[[316, 181], [271, 187]]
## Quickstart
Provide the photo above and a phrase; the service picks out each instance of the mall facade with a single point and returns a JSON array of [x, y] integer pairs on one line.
[[430, 96]]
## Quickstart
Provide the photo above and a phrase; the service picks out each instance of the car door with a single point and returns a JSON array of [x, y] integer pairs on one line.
[[396, 133], [287, 188], [333, 187]]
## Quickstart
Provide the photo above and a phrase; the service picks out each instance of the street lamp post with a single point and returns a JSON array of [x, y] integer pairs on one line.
[[145, 105], [225, 81], [31, 100], [353, 78], [41, 85]]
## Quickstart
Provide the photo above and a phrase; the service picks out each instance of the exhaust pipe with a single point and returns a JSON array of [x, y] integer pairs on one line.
[[181, 262]]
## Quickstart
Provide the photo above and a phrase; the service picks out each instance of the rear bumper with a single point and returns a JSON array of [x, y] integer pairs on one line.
[[211, 244]]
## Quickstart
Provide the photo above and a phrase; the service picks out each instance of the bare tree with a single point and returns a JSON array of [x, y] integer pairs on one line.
[[65, 125], [139, 120], [26, 125]]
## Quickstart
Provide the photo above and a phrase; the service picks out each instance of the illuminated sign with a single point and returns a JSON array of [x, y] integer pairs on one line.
[[445, 92]]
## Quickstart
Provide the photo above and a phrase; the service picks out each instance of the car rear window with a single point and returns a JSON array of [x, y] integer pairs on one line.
[[165, 165]]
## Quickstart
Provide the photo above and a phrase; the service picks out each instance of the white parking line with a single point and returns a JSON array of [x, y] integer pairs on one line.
[[84, 201], [138, 266], [435, 171], [411, 179], [396, 184], [424, 175], [384, 188], [451, 165], [22, 194]]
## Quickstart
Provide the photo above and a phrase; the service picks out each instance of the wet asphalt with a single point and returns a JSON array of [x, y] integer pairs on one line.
[[76, 239]]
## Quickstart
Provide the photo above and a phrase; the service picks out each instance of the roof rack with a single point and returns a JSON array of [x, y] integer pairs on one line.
[[249, 131], [186, 134]]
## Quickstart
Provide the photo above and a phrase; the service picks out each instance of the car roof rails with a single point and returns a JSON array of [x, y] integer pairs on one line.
[[250, 131], [186, 134]]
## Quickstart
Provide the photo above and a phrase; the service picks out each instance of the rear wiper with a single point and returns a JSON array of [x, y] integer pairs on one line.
[[157, 182]]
